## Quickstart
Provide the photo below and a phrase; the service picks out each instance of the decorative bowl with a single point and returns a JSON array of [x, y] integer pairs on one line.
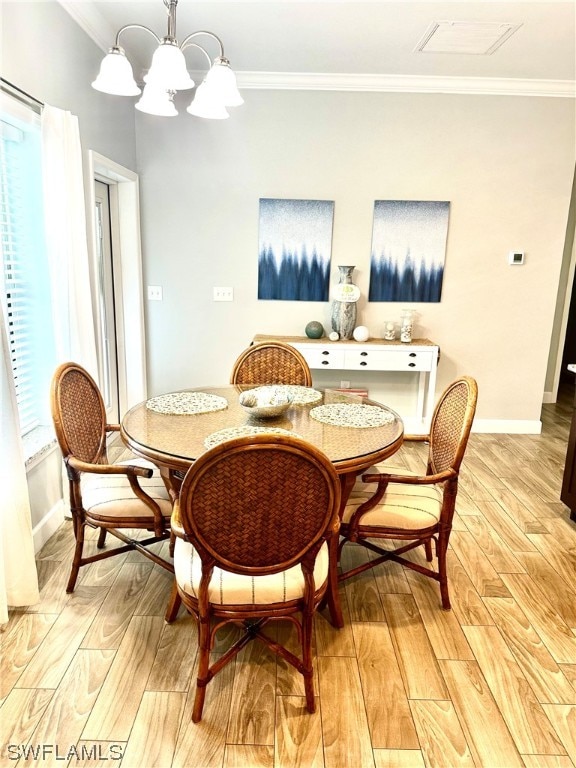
[[265, 402]]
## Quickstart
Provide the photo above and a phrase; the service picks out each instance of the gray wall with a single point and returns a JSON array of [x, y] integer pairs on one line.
[[505, 163], [45, 53]]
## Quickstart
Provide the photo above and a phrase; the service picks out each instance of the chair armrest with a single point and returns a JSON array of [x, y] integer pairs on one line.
[[108, 469], [75, 466], [416, 438], [384, 479], [176, 521], [112, 427]]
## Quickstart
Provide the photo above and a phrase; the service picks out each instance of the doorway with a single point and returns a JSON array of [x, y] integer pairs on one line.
[[569, 353], [126, 275], [563, 341], [106, 326]]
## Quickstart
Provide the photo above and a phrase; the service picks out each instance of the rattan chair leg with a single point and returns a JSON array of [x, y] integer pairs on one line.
[[428, 550], [77, 561], [332, 596], [203, 668], [174, 604], [101, 538], [308, 672], [442, 549]]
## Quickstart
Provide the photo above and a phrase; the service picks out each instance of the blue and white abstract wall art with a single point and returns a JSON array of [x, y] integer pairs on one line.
[[295, 245], [408, 250]]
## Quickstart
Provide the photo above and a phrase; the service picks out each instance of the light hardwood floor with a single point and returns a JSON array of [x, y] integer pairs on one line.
[[100, 676]]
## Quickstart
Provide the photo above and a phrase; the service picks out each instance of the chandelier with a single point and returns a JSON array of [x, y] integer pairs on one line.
[[168, 74]]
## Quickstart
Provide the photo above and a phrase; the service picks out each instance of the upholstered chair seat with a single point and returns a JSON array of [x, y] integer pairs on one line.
[[406, 507], [110, 496], [239, 589]]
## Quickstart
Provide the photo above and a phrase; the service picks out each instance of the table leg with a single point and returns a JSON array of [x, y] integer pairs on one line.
[[347, 481]]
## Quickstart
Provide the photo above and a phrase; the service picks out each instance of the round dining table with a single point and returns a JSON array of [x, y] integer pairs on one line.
[[173, 430]]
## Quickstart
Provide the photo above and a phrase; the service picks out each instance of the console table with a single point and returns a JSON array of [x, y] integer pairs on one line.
[[420, 356]]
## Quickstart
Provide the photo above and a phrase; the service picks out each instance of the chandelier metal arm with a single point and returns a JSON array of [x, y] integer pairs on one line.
[[135, 26], [195, 45], [185, 42]]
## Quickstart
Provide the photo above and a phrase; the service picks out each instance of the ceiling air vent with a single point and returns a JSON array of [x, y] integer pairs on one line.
[[477, 38]]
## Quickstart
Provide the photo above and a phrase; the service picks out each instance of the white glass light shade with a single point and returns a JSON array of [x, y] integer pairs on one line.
[[156, 101], [116, 75], [222, 82], [168, 69], [205, 105]]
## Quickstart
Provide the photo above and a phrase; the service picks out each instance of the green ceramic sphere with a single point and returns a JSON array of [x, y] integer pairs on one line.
[[314, 330]]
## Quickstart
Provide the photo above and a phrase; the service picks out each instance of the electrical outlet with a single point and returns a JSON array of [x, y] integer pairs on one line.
[[223, 294], [154, 293], [344, 385]]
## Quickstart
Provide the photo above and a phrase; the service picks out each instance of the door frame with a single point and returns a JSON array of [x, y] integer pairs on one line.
[[128, 279], [563, 300], [106, 322]]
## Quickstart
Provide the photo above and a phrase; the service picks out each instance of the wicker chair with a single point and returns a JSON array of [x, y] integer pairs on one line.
[[410, 507], [254, 523], [271, 362], [107, 496]]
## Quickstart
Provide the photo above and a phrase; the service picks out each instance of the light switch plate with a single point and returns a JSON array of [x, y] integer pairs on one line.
[[154, 293], [516, 257], [223, 294]]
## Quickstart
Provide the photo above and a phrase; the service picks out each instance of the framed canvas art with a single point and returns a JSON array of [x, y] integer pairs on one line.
[[408, 250], [295, 245]]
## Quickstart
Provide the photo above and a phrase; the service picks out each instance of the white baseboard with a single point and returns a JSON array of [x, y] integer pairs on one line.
[[507, 426], [49, 524], [484, 426], [549, 397]]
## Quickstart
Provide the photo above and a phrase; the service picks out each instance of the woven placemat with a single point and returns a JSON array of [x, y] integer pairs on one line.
[[229, 434], [302, 395], [178, 403], [351, 415]]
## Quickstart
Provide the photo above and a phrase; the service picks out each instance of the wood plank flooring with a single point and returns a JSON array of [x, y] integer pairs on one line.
[[98, 679]]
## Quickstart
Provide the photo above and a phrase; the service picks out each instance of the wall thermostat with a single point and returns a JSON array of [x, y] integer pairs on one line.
[[516, 257]]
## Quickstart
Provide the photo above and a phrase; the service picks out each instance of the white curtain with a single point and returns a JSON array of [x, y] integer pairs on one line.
[[66, 241], [18, 577], [74, 334], [66, 245]]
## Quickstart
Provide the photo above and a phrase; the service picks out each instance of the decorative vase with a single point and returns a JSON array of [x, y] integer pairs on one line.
[[346, 295]]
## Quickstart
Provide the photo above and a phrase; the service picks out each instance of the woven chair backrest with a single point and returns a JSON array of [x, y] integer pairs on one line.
[[259, 504], [79, 414], [271, 363], [451, 424]]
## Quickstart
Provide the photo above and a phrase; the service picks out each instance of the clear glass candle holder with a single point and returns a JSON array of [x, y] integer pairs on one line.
[[407, 324]]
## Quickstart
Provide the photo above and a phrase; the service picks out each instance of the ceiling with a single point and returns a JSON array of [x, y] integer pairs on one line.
[[355, 45]]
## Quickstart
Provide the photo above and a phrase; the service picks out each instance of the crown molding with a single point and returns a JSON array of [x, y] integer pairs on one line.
[[488, 86], [89, 18]]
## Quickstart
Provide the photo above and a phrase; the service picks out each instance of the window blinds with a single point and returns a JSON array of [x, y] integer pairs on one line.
[[25, 288]]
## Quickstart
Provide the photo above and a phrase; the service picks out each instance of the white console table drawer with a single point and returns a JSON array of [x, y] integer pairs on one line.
[[323, 357], [390, 360]]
